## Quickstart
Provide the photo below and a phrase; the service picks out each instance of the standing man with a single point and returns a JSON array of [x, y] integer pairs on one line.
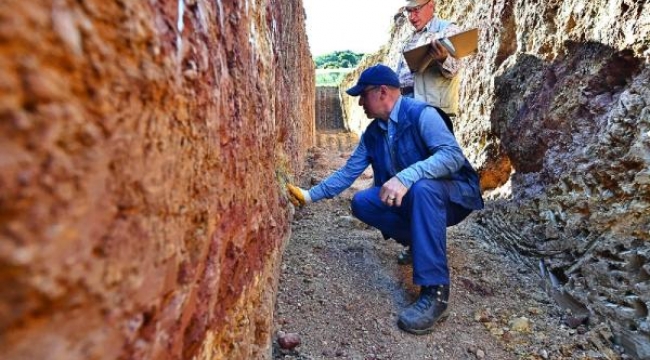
[[438, 85], [422, 184]]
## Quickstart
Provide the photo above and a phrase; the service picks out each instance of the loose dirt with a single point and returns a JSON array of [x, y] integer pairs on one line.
[[341, 291]]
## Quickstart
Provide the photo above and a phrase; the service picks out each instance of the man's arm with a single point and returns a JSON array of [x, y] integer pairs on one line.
[[447, 156], [344, 177], [449, 66], [404, 73]]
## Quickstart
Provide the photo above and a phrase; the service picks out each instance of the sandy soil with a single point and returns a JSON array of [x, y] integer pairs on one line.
[[341, 290]]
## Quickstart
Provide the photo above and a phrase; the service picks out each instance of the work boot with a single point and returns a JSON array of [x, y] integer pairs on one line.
[[421, 316], [405, 257]]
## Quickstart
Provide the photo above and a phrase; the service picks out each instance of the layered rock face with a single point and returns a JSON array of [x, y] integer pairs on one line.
[[556, 116], [144, 150]]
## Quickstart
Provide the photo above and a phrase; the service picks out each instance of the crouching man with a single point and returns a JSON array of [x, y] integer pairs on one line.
[[422, 184]]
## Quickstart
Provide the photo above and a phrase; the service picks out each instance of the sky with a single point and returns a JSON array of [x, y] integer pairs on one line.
[[356, 25]]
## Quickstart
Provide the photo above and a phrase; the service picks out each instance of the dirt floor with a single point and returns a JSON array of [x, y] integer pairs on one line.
[[341, 291]]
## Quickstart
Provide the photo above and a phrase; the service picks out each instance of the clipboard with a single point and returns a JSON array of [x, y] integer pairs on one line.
[[459, 45]]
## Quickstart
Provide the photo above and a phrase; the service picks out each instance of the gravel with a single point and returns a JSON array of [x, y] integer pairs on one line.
[[341, 290]]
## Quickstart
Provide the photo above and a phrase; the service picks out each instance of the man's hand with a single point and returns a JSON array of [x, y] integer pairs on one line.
[[437, 51], [392, 192], [298, 196]]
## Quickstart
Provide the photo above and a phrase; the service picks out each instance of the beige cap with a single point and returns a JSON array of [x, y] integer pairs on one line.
[[414, 3]]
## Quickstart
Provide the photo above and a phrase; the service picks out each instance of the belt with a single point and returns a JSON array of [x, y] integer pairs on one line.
[[406, 90]]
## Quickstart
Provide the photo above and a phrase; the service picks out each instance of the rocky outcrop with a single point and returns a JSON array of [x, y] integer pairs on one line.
[[144, 147], [556, 116]]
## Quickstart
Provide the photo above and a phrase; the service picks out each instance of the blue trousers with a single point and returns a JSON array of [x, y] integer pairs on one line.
[[420, 222]]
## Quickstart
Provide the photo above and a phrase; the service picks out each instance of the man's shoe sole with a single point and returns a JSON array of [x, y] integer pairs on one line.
[[428, 330]]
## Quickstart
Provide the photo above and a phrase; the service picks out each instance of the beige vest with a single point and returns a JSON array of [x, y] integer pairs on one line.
[[430, 86]]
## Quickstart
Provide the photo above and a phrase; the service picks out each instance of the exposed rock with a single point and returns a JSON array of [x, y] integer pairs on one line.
[[143, 154], [556, 118]]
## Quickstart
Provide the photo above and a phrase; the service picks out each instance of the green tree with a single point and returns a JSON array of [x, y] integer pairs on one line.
[[338, 59], [348, 59]]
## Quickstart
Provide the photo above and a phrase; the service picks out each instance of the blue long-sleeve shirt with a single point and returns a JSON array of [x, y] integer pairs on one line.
[[447, 156]]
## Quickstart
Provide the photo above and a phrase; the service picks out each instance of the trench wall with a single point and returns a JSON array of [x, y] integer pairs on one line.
[[329, 115], [144, 148], [555, 114]]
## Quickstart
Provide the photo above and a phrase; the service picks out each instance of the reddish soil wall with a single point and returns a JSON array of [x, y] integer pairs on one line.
[[144, 148]]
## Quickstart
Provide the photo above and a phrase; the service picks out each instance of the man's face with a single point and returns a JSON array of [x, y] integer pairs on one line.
[[420, 15], [369, 100]]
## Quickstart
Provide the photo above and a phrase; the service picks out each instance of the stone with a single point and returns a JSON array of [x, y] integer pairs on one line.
[[520, 324], [575, 321], [288, 341], [480, 354], [483, 315], [544, 354]]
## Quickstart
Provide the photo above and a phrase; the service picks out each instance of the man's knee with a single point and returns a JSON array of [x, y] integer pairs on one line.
[[429, 187], [359, 202]]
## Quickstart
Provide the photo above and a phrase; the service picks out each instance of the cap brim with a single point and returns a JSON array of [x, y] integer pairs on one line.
[[356, 90]]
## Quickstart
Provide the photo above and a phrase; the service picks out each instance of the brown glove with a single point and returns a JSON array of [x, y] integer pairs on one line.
[[298, 196]]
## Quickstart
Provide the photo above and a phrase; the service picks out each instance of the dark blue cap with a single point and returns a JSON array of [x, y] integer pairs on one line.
[[374, 75]]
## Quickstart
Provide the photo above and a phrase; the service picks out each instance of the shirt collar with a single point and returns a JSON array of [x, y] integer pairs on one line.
[[428, 26], [393, 115], [395, 112]]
